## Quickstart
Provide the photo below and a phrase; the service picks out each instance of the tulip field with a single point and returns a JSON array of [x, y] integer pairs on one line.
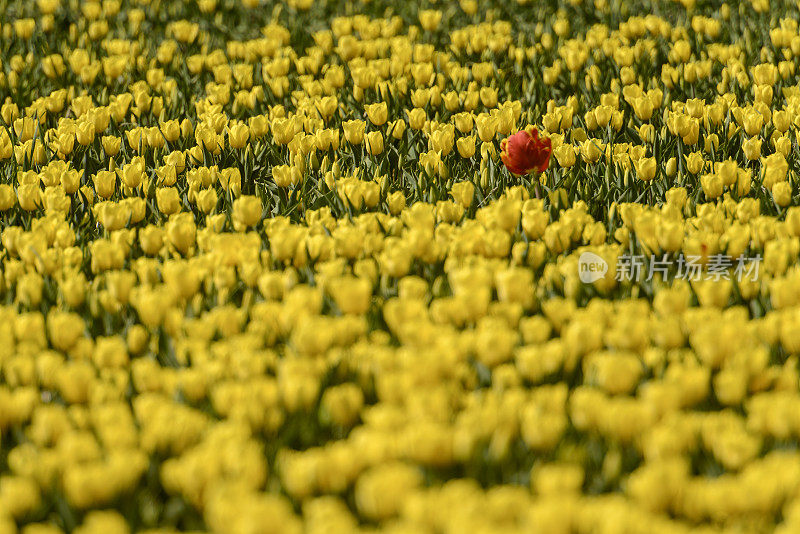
[[337, 266]]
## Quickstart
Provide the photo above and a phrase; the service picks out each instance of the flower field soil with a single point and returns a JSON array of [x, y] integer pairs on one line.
[[412, 267]]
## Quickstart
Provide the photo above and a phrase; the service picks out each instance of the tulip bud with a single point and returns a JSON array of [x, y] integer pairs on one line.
[[168, 200], [646, 169], [374, 143], [782, 194], [247, 211], [694, 162], [396, 202], [672, 167], [466, 146], [238, 135], [752, 148], [463, 193], [712, 185]]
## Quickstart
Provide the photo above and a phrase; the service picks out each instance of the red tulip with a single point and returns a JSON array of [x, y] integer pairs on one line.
[[525, 152]]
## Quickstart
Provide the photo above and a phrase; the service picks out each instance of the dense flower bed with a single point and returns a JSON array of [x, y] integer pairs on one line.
[[286, 267]]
